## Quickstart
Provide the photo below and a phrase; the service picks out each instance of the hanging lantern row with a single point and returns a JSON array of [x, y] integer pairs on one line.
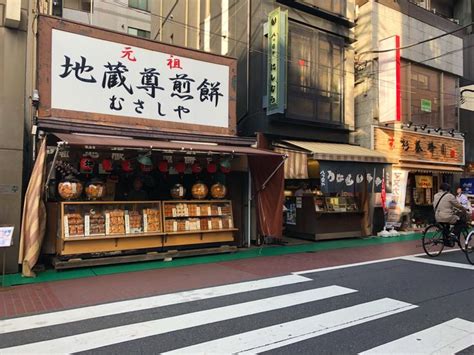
[[145, 164]]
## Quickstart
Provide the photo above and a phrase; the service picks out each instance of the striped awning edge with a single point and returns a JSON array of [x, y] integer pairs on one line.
[[296, 164]]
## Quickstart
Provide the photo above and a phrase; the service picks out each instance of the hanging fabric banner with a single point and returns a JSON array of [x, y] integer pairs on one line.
[[396, 200]]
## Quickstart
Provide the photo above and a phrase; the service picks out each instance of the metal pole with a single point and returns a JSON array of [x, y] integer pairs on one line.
[[3, 268], [249, 210]]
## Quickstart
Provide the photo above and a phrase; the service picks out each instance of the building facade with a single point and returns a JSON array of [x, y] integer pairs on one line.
[[420, 69]]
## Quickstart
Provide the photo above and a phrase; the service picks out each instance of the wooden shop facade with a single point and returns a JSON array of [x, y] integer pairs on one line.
[[138, 156]]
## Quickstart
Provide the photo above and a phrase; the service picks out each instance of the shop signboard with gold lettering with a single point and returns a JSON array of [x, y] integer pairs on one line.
[[276, 66], [424, 181], [418, 147]]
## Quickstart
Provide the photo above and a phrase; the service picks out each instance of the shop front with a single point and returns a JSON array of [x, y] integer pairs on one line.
[[333, 190], [137, 156], [425, 159]]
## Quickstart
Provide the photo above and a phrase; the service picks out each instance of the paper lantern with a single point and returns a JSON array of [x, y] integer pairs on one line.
[[225, 166], [87, 165], [107, 165], [180, 167], [196, 168], [127, 166], [211, 167], [163, 166]]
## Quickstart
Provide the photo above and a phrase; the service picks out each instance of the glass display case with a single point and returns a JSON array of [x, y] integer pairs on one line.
[[87, 227], [202, 216]]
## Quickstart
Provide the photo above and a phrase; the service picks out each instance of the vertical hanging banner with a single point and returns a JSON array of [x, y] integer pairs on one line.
[[396, 200], [276, 66], [389, 80]]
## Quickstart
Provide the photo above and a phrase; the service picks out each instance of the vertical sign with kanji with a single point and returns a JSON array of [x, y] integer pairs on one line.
[[276, 66]]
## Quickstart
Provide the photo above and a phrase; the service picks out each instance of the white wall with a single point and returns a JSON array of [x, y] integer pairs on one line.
[[377, 22], [113, 15]]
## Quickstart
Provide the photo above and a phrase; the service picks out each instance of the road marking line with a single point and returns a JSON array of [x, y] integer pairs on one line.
[[108, 309], [362, 263], [276, 336], [439, 262], [116, 335], [446, 338]]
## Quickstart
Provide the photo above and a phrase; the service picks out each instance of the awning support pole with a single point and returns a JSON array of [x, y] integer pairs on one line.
[[50, 172], [249, 210], [273, 173]]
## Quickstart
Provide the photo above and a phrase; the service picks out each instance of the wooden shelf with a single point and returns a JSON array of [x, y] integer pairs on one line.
[[201, 216], [112, 236], [202, 231]]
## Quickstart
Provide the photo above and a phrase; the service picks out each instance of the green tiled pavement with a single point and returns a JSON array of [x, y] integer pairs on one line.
[[53, 275]]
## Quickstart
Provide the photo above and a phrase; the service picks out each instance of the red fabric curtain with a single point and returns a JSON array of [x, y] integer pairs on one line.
[[269, 199]]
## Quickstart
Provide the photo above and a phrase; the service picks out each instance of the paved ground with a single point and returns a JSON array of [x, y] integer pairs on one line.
[[406, 304]]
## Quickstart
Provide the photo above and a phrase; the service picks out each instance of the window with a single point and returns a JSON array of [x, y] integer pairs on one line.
[[139, 33], [335, 6], [315, 75], [139, 4], [80, 5], [422, 100]]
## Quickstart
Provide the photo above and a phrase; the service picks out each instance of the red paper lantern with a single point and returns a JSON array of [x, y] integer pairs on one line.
[[163, 166], [180, 167], [127, 166], [211, 167], [196, 168], [107, 165], [87, 165]]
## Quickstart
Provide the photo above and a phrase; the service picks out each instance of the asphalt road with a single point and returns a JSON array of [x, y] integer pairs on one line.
[[407, 305]]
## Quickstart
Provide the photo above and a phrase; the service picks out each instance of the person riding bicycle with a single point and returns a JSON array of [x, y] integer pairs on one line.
[[444, 204]]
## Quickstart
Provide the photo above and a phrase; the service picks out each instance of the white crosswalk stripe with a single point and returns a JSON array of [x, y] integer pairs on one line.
[[116, 335], [279, 335], [78, 314], [446, 338]]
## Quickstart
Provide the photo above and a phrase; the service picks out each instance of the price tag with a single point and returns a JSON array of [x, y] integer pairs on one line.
[[209, 224], [198, 210], [127, 222], [87, 225], [66, 227], [145, 222], [175, 226], [219, 211], [107, 223], [209, 212], [173, 212], [220, 224], [231, 223]]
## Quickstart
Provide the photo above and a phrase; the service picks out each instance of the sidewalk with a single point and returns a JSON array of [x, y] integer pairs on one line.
[[53, 290]]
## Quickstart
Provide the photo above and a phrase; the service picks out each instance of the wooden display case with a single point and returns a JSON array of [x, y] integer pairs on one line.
[[92, 227], [322, 217], [198, 221]]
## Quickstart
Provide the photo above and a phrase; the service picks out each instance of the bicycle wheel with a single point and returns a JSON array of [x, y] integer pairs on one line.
[[433, 243], [469, 247], [463, 237]]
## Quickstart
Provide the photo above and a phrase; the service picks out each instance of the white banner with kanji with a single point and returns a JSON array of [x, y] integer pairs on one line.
[[97, 76]]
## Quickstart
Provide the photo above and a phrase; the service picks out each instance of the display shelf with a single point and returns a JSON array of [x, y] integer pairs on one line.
[[111, 236], [202, 231]]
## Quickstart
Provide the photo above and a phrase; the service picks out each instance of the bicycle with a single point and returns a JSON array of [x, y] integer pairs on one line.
[[437, 236], [469, 247]]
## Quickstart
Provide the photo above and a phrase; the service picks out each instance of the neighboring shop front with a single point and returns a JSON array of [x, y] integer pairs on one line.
[[333, 190], [139, 155], [425, 159]]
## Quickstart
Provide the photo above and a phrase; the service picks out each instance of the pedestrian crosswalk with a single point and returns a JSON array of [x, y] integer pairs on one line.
[[59, 332]]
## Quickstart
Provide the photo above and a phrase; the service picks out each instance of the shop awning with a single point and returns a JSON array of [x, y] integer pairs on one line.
[[424, 168], [296, 165], [130, 143], [340, 152]]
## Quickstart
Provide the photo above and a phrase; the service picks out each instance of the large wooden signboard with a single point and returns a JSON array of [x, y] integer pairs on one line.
[[104, 77], [409, 146]]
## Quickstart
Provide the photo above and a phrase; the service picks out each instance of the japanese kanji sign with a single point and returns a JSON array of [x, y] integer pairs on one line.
[[276, 66], [418, 147], [104, 75]]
